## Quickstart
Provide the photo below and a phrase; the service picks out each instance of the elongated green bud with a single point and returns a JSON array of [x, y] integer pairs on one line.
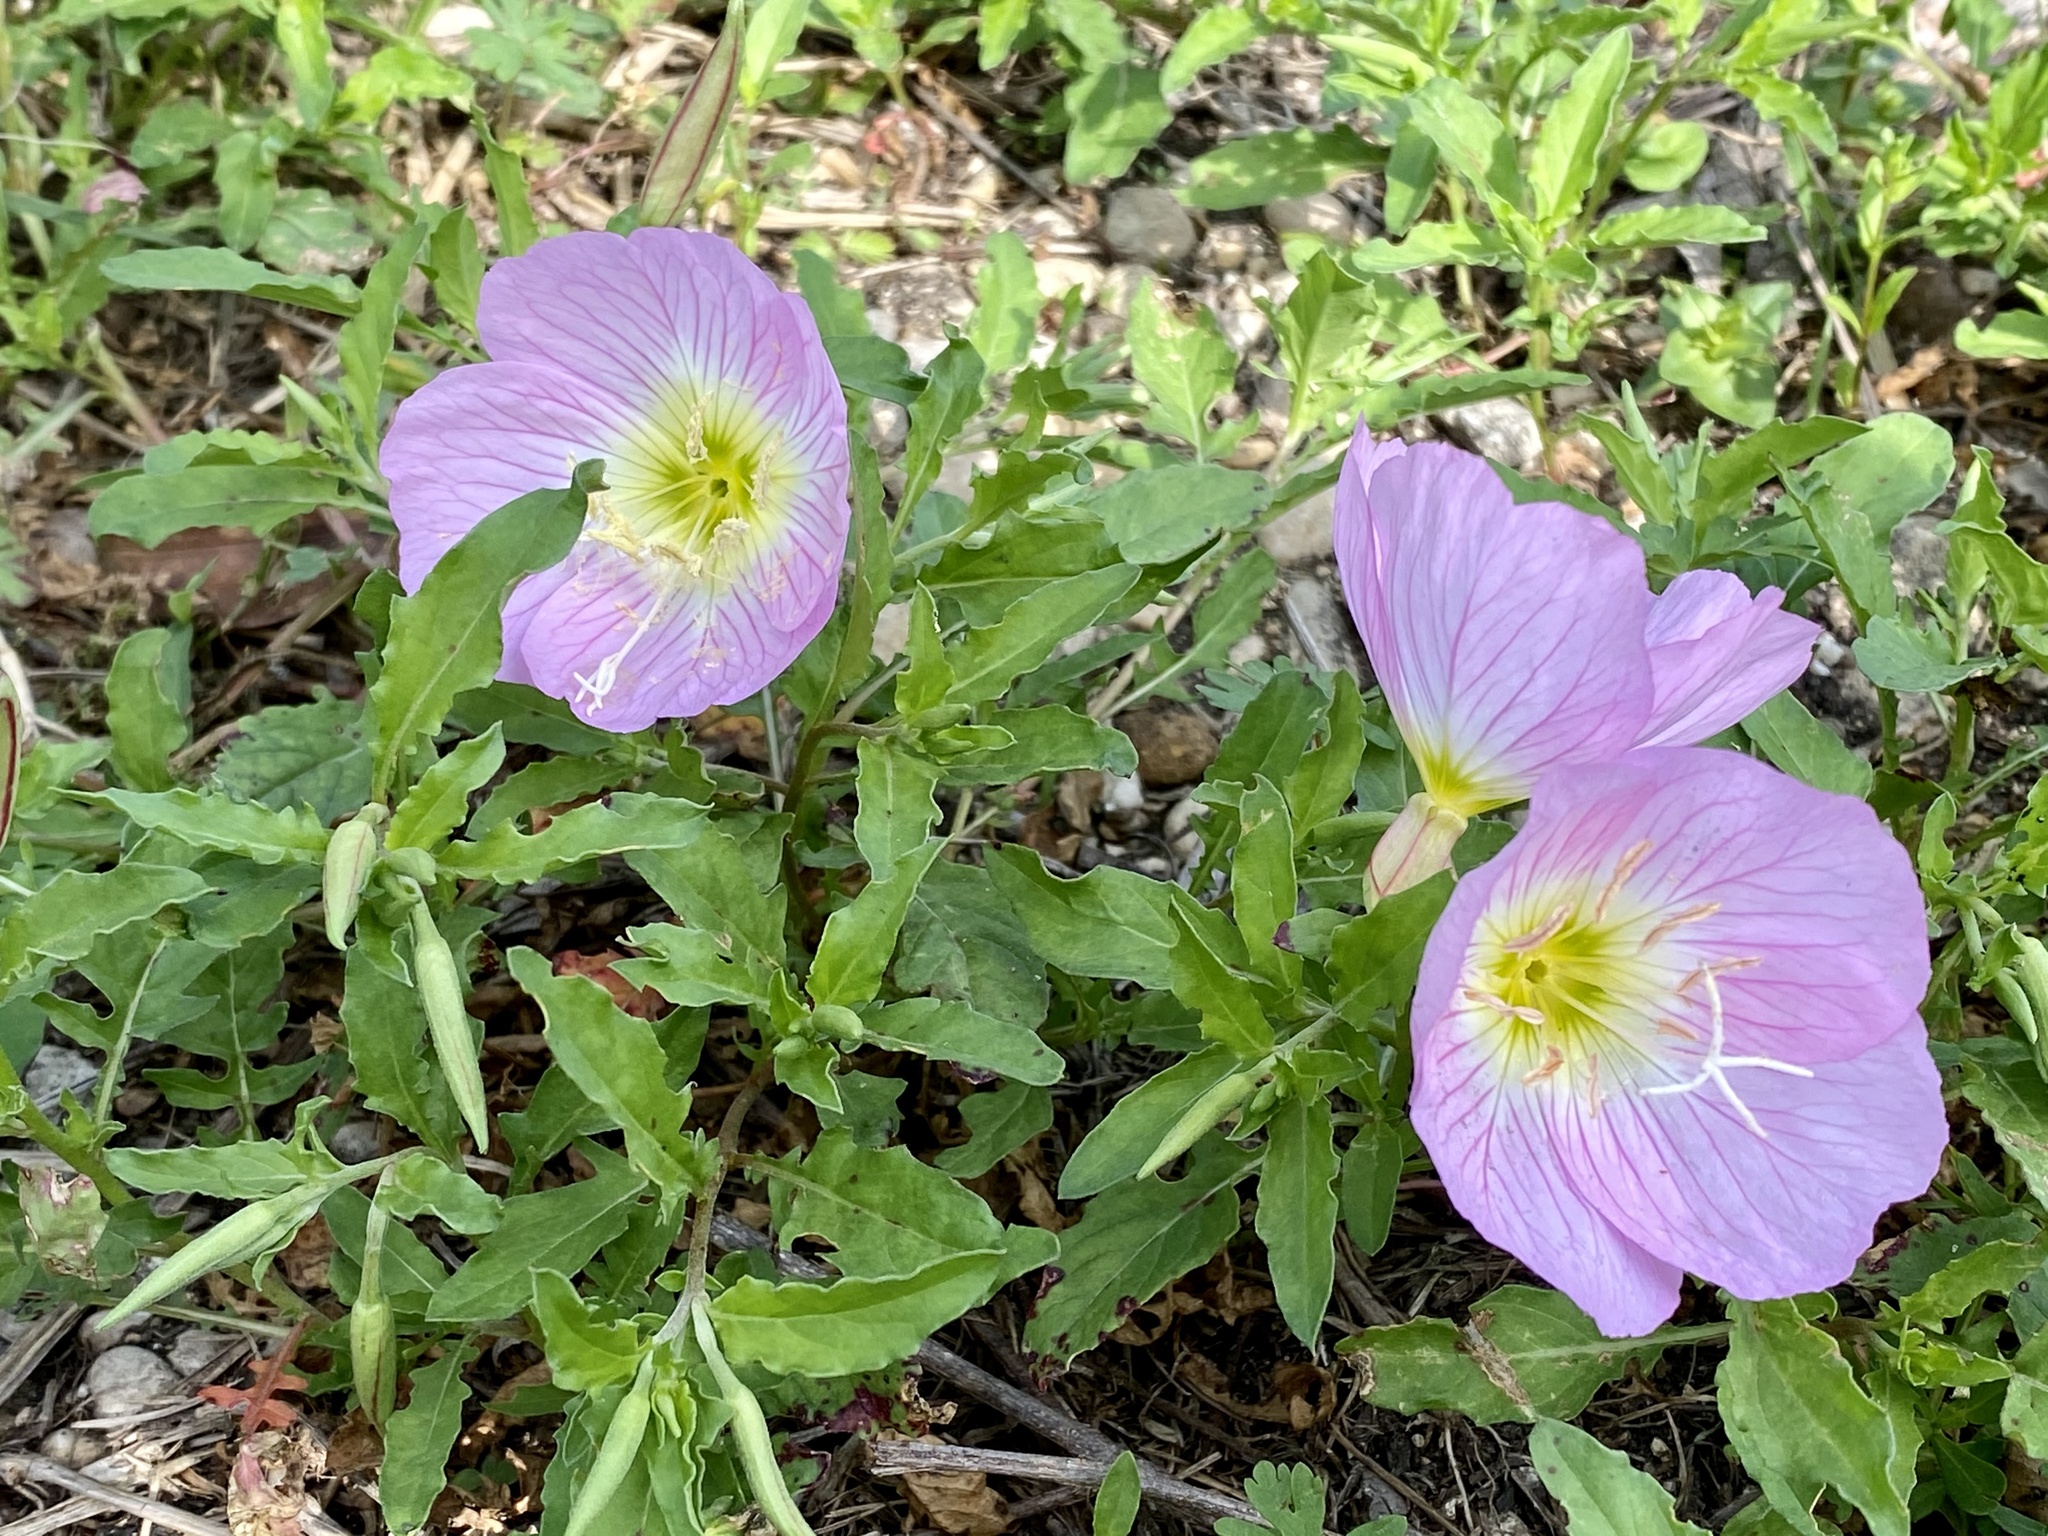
[[1416, 846], [693, 133], [622, 1440], [350, 852], [372, 1326], [834, 1021], [441, 992], [750, 1436], [1202, 1114], [254, 1229]]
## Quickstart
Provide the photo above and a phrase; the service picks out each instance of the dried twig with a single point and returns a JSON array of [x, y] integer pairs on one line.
[[16, 1469], [898, 1458], [35, 1343], [55, 1518]]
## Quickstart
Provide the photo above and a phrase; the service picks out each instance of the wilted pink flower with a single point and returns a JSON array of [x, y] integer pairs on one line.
[[1511, 639], [1673, 1027], [713, 558], [117, 186]]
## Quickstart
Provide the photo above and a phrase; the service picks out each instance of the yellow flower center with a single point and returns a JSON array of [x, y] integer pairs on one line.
[[694, 485], [1588, 990]]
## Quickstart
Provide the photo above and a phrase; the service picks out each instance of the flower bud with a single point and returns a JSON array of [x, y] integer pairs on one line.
[[414, 864], [750, 1438], [614, 1459], [1417, 845], [441, 991], [836, 1022], [351, 850], [373, 1356], [1201, 1115]]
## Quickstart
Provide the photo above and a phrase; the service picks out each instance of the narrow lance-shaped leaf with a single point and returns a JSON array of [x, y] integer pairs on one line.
[[694, 132]]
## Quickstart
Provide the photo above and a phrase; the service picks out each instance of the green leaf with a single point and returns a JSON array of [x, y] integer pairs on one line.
[[772, 33], [1123, 1141], [1666, 156], [439, 802], [1374, 959], [207, 820], [1292, 1501], [419, 1185], [725, 885], [1691, 223], [1527, 1353], [1048, 739], [886, 1214], [1214, 35], [242, 1170], [1851, 544], [1109, 923], [616, 1061], [62, 920], [507, 176], [557, 1228], [386, 1029], [198, 269], [300, 754], [1470, 139], [1112, 114], [149, 692], [245, 176], [953, 1031], [447, 636], [953, 394], [1567, 150], [1802, 1424], [1005, 323], [1603, 1495], [1001, 1122], [1264, 889], [961, 941], [2014, 1101], [1369, 1184], [1206, 965], [1184, 365], [625, 823], [1116, 1501], [149, 508], [1895, 653], [1133, 1239], [851, 1325], [987, 659], [1898, 466], [1387, 405], [892, 830], [364, 344], [1806, 748], [455, 263], [419, 1439], [584, 1354], [1297, 1215], [2011, 334], [896, 811], [1295, 162]]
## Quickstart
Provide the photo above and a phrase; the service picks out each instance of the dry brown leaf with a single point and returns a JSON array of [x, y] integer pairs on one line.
[[1036, 1201], [267, 1488], [306, 1258], [639, 1002], [958, 1502]]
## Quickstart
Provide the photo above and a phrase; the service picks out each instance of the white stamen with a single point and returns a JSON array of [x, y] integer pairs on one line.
[[601, 682], [1551, 927], [1623, 868], [693, 431], [1501, 1005], [1714, 1066]]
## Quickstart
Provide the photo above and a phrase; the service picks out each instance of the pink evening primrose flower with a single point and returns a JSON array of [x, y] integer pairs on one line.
[[119, 185], [1672, 1027], [713, 557], [1514, 638]]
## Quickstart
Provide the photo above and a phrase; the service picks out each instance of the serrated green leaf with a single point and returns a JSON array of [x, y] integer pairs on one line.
[[1566, 155], [1113, 113], [1001, 1122], [850, 1325], [559, 1229], [1109, 923], [1206, 965], [1133, 1239], [1374, 959], [206, 820], [1294, 162], [300, 754], [584, 1354], [386, 1031], [988, 659], [365, 340], [957, 378], [1601, 1492], [954, 1031], [631, 823], [1185, 366], [1297, 1215], [1895, 653], [439, 803], [1803, 1425], [418, 1440], [1690, 223], [1159, 515], [1005, 323], [886, 1214], [62, 920]]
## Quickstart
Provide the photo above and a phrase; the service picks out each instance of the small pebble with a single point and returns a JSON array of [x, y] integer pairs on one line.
[[1302, 533], [1318, 214], [97, 1340], [56, 1068], [357, 1141], [195, 1348], [128, 1379], [1502, 430], [1230, 246], [73, 1447], [1147, 224]]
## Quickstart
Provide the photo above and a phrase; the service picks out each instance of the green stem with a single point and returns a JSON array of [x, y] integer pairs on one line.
[[111, 1069], [1888, 724], [78, 1152]]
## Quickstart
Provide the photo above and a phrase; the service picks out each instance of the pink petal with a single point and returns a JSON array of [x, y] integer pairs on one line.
[[1492, 1149], [703, 646], [1795, 912], [1508, 638], [475, 438], [1716, 654]]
